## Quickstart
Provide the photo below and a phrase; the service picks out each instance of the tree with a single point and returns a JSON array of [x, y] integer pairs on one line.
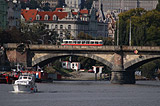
[[83, 36], [145, 27], [38, 33]]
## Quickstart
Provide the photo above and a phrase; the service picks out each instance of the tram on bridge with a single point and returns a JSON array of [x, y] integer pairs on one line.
[[82, 42]]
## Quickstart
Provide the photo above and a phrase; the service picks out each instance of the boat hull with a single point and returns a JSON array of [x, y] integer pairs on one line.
[[24, 88]]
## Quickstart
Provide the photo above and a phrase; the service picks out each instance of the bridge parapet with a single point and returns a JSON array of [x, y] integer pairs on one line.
[[142, 48], [93, 48], [59, 47]]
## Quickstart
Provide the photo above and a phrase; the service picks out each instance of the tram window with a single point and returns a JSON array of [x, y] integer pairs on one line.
[[100, 42], [96, 42], [79, 42], [83, 42], [87, 42], [70, 42], [74, 42], [92, 42], [66, 42]]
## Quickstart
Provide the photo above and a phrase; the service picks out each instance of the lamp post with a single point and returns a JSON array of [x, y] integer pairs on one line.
[[30, 42], [118, 31], [41, 41], [50, 41], [130, 32], [43, 38]]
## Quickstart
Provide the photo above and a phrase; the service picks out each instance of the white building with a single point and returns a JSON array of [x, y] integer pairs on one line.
[[73, 3], [67, 22], [127, 4], [66, 64], [71, 65], [75, 66], [52, 3]]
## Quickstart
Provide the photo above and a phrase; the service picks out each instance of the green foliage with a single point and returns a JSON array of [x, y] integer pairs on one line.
[[148, 69], [106, 40], [11, 36], [84, 36], [145, 27], [49, 69], [38, 31]]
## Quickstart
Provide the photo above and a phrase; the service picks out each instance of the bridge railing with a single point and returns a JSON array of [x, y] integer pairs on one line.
[[92, 48]]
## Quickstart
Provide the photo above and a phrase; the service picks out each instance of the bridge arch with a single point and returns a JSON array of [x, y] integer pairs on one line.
[[92, 56], [140, 61]]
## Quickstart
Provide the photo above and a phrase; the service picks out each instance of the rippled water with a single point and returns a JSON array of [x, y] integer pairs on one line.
[[84, 93]]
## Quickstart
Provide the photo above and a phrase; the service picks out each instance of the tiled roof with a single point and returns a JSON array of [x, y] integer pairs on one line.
[[84, 11], [29, 15], [60, 15]]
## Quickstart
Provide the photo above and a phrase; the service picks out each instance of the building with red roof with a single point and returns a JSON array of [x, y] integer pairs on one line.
[[67, 21], [29, 14]]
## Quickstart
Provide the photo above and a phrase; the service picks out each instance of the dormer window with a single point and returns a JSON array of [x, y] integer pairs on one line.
[[54, 17], [37, 17], [46, 17]]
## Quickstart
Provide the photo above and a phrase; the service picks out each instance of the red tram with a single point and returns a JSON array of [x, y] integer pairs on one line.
[[82, 42]]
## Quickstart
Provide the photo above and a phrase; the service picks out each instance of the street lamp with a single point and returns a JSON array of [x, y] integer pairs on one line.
[[43, 38], [50, 41], [41, 41], [30, 42], [130, 33]]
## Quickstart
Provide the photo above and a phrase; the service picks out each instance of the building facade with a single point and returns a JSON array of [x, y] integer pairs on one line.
[[71, 65], [67, 22], [10, 14], [14, 14], [73, 3], [52, 3], [127, 4], [3, 14]]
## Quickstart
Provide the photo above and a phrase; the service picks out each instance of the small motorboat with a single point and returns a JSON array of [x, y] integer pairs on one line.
[[25, 83]]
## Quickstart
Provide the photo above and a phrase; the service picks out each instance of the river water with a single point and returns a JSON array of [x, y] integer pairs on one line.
[[84, 93]]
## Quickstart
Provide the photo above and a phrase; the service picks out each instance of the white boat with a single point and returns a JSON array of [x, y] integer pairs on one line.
[[25, 83]]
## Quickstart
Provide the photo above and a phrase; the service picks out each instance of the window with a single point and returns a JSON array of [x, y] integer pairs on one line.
[[92, 42], [37, 17], [64, 64], [54, 17], [46, 17], [83, 42], [30, 18], [79, 42], [69, 26], [61, 26], [74, 42], [100, 42], [61, 34], [87, 42], [56, 26]]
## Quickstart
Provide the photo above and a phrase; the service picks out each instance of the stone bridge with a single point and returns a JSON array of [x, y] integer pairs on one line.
[[121, 59]]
